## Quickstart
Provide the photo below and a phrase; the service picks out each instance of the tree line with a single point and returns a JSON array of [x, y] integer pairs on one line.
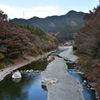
[[87, 45], [18, 40]]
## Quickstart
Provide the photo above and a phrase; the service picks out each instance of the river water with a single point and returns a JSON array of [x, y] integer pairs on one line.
[[87, 92], [28, 88]]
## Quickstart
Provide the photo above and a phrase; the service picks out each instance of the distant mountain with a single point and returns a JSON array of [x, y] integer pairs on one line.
[[66, 24]]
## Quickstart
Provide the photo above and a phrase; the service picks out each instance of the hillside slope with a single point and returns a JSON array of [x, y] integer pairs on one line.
[[66, 25], [17, 41], [88, 46]]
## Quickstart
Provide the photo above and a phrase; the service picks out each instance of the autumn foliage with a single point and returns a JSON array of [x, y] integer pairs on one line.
[[88, 46], [16, 40]]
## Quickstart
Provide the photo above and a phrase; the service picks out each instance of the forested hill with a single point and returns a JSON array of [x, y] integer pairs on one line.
[[19, 40], [66, 25], [88, 47]]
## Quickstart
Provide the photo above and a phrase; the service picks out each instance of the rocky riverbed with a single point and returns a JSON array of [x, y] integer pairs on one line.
[[61, 85]]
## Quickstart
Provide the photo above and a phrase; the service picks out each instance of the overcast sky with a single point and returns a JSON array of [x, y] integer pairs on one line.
[[43, 8]]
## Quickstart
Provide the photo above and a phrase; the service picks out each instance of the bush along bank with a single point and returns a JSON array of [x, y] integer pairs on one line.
[[17, 41], [87, 46]]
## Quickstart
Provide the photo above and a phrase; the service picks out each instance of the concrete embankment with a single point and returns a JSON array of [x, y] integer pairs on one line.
[[60, 85], [4, 72]]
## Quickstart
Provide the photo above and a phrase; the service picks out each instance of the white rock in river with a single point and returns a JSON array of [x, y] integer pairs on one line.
[[16, 75], [49, 81], [50, 58]]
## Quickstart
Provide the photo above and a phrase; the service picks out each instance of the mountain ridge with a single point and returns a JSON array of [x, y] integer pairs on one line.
[[64, 24]]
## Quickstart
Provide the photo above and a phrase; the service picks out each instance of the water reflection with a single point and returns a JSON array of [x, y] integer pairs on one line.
[[16, 80], [28, 88]]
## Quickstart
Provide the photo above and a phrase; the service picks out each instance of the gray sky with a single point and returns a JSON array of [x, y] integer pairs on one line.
[[43, 8]]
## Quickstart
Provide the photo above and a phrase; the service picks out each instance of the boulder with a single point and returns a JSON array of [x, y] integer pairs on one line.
[[50, 58], [16, 75], [46, 81]]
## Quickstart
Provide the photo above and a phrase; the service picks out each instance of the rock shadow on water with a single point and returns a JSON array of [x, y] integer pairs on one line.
[[28, 88]]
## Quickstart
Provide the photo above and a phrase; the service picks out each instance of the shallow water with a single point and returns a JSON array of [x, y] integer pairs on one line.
[[87, 92], [28, 88]]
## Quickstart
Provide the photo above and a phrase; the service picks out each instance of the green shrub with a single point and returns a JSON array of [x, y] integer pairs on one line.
[[2, 56], [84, 63], [74, 48], [2, 65]]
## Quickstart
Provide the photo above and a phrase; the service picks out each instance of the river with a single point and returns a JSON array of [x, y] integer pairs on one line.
[[30, 88], [87, 92]]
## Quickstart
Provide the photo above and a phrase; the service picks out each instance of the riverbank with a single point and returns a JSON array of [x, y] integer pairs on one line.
[[61, 85], [4, 72]]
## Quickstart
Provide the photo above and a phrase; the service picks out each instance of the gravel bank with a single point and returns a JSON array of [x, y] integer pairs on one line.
[[60, 85]]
